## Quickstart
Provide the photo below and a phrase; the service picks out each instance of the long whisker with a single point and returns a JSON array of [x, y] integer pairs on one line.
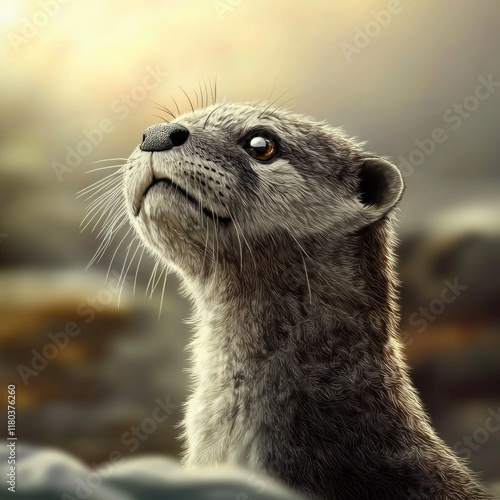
[[115, 252], [279, 97], [163, 291], [211, 89], [152, 277], [206, 91], [176, 106], [137, 270], [111, 190], [211, 113], [163, 108], [128, 268], [190, 103], [110, 159], [96, 197], [113, 223], [96, 184], [107, 207], [272, 90], [103, 168], [155, 284], [161, 118], [109, 185], [201, 94], [121, 279], [94, 212], [281, 105]]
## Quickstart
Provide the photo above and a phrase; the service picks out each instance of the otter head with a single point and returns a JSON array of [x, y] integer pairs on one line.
[[234, 176]]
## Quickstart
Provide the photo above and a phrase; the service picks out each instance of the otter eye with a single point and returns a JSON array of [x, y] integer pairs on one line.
[[261, 148]]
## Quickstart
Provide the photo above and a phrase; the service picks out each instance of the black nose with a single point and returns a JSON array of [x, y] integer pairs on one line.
[[164, 136]]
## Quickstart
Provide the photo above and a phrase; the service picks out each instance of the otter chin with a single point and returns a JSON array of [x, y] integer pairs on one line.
[[281, 229]]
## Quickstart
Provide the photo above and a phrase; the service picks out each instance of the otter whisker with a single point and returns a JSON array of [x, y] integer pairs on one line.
[[113, 223], [123, 276], [272, 89], [155, 283], [190, 103], [277, 99], [176, 106], [92, 214], [201, 93], [115, 252], [103, 201], [109, 237], [197, 98], [211, 90], [107, 209], [120, 281], [163, 289], [107, 195], [98, 253], [215, 89], [110, 159], [206, 91], [161, 118], [151, 278], [163, 108], [211, 113], [137, 270], [215, 247], [280, 106], [97, 184], [114, 191], [206, 241], [103, 168], [109, 187]]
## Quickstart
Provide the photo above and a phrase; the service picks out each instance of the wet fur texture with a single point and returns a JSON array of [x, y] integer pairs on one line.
[[296, 364]]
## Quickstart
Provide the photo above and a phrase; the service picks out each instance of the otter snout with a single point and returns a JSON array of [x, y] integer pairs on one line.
[[164, 136]]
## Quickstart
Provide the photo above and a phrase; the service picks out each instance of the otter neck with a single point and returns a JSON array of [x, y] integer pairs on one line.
[[316, 300]]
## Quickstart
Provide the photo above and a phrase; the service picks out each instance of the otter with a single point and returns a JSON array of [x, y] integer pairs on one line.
[[282, 232]]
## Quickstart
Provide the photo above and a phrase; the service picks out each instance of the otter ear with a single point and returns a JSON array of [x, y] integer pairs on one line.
[[380, 186]]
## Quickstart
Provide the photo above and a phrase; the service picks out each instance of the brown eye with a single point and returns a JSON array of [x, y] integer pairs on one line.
[[261, 148]]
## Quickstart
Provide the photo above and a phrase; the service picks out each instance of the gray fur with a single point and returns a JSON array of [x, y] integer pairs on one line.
[[296, 366]]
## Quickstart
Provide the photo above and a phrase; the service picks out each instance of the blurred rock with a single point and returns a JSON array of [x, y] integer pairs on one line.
[[84, 391], [45, 474]]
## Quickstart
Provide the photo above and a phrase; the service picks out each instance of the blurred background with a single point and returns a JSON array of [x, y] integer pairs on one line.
[[419, 81]]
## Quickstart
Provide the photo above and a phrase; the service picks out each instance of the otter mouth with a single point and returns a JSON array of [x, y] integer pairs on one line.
[[223, 220]]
